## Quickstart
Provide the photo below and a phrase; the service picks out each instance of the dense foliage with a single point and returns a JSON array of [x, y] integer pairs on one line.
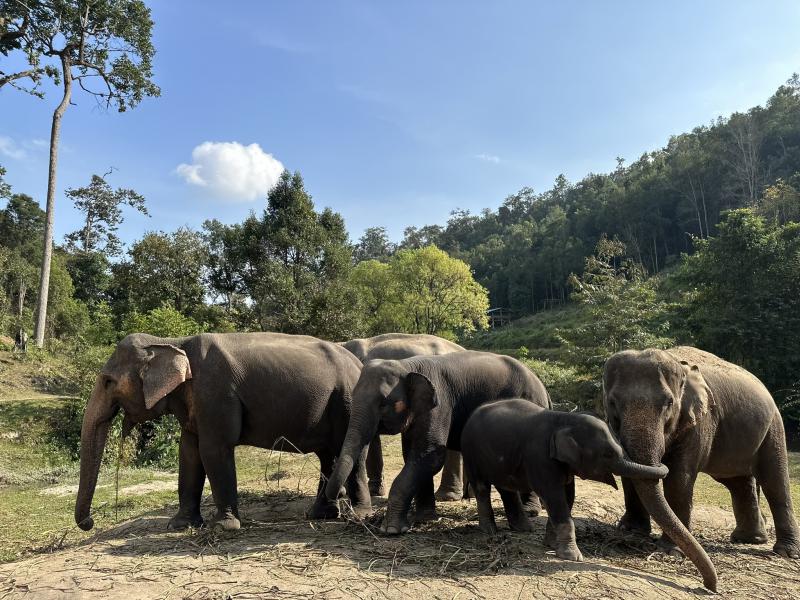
[[698, 242]]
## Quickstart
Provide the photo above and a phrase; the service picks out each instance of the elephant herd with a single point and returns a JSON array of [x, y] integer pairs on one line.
[[670, 415]]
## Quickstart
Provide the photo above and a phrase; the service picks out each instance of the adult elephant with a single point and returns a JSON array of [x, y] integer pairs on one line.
[[225, 390], [697, 413], [398, 346], [428, 399]]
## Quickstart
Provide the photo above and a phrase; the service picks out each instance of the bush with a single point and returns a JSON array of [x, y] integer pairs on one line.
[[163, 322], [569, 388]]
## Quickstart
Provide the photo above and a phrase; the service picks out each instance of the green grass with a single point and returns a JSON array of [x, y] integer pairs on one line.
[[536, 332]]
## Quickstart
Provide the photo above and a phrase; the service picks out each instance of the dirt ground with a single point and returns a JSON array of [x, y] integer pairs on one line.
[[279, 554]]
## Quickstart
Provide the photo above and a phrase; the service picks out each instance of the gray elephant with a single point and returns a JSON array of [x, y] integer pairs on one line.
[[225, 390], [520, 447], [699, 413], [398, 346], [428, 399]]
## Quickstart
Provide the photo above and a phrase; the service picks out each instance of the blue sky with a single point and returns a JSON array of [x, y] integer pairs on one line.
[[398, 113]]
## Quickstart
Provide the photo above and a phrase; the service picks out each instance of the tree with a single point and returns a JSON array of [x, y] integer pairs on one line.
[[226, 262], [780, 202], [164, 268], [379, 297], [743, 298], [297, 263], [102, 209], [437, 293], [374, 245], [623, 308], [103, 45], [21, 222]]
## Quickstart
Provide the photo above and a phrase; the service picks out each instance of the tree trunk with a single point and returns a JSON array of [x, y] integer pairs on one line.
[[55, 134]]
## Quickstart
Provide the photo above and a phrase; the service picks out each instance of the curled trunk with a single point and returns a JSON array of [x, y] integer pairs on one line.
[[96, 421], [627, 468], [362, 429], [653, 499]]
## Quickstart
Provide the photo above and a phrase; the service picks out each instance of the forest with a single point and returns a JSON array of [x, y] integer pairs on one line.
[[697, 242]]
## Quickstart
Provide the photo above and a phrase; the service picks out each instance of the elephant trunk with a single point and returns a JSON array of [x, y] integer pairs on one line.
[[360, 432], [652, 497], [96, 421], [625, 467]]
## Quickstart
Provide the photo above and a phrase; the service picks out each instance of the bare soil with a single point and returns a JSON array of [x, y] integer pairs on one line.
[[279, 554]]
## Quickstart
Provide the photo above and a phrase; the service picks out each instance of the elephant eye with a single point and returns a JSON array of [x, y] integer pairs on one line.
[[108, 382]]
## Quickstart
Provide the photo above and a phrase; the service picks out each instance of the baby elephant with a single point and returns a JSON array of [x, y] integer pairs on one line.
[[519, 447]]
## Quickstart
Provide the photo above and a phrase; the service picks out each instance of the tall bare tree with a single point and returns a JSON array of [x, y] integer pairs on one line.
[[103, 46]]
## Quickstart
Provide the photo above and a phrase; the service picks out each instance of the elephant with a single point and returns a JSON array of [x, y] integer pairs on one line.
[[698, 413], [427, 399], [520, 447], [225, 390], [398, 346]]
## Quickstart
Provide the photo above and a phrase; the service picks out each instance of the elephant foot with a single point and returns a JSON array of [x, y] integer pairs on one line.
[[183, 521], [744, 536], [449, 495], [634, 524], [549, 535], [787, 549], [533, 506], [488, 526], [362, 509], [563, 538], [522, 523], [669, 547], [425, 513], [376, 488], [394, 525], [324, 510], [227, 521]]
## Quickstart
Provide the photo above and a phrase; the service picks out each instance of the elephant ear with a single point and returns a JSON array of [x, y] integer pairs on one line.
[[420, 392], [165, 368], [564, 448], [697, 398]]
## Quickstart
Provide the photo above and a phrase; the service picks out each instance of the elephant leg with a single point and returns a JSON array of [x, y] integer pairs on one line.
[[483, 491], [357, 488], [451, 487], [324, 508], [191, 478], [678, 491], [417, 472], [515, 511], [772, 474], [560, 532], [220, 466], [749, 520], [375, 467], [636, 517], [532, 503]]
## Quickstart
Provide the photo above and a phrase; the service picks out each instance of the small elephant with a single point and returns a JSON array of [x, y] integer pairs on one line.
[[225, 390], [700, 414], [427, 399], [397, 346], [519, 447]]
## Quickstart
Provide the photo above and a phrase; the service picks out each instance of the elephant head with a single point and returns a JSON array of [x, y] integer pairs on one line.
[[386, 399], [587, 446], [650, 398], [138, 376]]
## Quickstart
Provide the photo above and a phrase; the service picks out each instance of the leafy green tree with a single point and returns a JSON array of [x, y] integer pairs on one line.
[[374, 244], [780, 202], [624, 309], [163, 268], [103, 45], [22, 223], [163, 321], [743, 299], [379, 297], [102, 209], [226, 263], [437, 293], [297, 265]]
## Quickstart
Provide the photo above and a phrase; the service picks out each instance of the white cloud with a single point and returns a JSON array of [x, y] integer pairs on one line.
[[488, 158], [10, 149], [232, 171]]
